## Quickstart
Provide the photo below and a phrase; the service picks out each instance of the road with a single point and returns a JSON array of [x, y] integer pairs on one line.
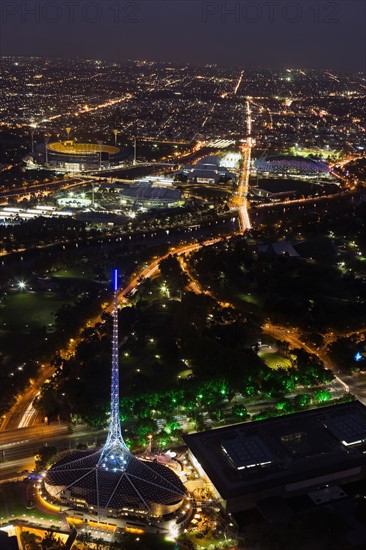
[[23, 413], [19, 446], [47, 187], [240, 200], [293, 337]]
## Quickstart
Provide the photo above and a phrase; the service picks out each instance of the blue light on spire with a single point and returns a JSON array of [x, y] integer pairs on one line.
[[115, 279], [358, 356]]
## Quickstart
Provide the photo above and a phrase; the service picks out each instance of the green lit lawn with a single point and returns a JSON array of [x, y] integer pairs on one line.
[[275, 360], [33, 309], [209, 541], [323, 152], [249, 298], [185, 373], [76, 272]]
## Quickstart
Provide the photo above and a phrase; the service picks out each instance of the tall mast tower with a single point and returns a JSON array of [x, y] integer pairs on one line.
[[112, 478], [115, 453], [134, 150]]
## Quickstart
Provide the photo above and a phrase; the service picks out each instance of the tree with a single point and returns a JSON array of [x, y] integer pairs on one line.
[[51, 542], [301, 400], [44, 457], [30, 541], [145, 427], [240, 411], [172, 273], [322, 396]]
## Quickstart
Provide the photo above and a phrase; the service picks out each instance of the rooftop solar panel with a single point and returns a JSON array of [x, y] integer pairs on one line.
[[247, 452], [350, 429]]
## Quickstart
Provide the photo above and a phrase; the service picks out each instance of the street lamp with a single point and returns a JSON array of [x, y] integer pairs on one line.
[[165, 290], [21, 285]]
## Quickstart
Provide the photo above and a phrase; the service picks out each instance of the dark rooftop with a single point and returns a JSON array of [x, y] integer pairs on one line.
[[249, 456]]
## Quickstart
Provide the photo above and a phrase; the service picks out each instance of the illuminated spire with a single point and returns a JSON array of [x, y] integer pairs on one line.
[[115, 453]]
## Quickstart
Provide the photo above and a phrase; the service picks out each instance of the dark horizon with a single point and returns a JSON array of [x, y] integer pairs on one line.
[[300, 34], [182, 63]]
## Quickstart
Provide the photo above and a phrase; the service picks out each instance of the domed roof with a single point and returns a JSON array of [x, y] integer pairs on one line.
[[140, 484]]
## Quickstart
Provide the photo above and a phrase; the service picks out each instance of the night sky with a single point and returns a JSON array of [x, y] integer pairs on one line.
[[263, 33]]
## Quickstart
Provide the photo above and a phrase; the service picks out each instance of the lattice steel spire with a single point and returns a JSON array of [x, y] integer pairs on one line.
[[115, 453], [112, 478]]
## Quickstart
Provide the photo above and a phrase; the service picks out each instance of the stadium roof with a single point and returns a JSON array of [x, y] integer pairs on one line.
[[146, 191], [74, 148]]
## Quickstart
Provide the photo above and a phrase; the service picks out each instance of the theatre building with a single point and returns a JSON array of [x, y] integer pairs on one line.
[[302, 453]]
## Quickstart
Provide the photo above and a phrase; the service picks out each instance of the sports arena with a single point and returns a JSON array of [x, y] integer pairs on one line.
[[290, 164], [71, 156]]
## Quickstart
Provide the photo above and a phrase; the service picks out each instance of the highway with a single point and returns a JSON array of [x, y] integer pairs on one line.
[[23, 414], [48, 187], [19, 446], [240, 200]]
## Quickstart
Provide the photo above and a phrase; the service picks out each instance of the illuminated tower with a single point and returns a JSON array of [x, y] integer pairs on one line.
[[68, 130], [111, 480], [115, 453], [134, 150], [115, 136]]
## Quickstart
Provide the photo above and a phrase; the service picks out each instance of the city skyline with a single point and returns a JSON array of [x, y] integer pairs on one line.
[[215, 394]]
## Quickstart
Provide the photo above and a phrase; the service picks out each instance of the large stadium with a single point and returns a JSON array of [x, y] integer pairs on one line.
[[290, 164], [71, 156]]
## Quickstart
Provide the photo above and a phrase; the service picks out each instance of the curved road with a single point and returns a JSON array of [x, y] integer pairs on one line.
[[23, 414]]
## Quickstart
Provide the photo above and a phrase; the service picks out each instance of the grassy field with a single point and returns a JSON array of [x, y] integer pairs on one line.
[[13, 504], [77, 272], [30, 310], [274, 360], [249, 298]]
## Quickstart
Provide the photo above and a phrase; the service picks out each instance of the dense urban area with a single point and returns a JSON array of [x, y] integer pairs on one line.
[[232, 202]]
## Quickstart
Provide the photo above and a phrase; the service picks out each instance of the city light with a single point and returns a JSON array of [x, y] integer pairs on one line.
[[232, 200]]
